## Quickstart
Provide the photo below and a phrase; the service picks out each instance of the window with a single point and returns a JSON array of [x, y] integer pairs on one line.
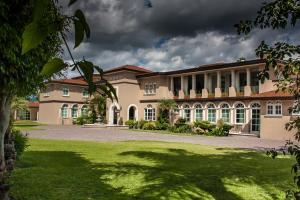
[[84, 110], [75, 111], [176, 110], [187, 113], [85, 93], [255, 117], [274, 109], [149, 114], [225, 112], [296, 109], [240, 113], [46, 94], [211, 111], [150, 88], [64, 111], [65, 91], [198, 112], [23, 114]]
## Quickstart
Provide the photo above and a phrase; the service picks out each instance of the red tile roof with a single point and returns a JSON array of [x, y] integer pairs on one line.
[[129, 68], [273, 94], [77, 81], [33, 104]]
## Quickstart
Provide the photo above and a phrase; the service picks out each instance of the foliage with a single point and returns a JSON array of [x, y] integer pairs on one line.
[[141, 123], [161, 125], [282, 57], [164, 107], [20, 142], [132, 124], [84, 119], [205, 125], [98, 103], [207, 128], [180, 126], [149, 126]]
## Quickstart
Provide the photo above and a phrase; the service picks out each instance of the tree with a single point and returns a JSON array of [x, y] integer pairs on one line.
[[165, 107], [98, 102], [283, 58]]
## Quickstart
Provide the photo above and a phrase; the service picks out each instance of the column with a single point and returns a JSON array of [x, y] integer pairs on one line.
[[192, 115], [218, 91], [204, 90], [193, 90], [181, 93], [171, 92], [232, 90], [247, 89]]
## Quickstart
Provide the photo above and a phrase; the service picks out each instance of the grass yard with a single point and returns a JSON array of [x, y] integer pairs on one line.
[[52, 170], [26, 125]]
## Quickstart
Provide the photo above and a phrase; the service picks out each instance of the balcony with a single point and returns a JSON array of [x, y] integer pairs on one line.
[[255, 89], [211, 95], [225, 94]]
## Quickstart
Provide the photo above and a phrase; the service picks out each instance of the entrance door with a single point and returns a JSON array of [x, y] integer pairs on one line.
[[255, 122], [115, 115], [132, 113]]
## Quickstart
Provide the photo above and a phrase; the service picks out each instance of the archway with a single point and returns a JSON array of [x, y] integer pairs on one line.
[[132, 112], [114, 111]]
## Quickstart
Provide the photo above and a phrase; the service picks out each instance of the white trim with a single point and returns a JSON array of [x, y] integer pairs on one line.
[[136, 113], [111, 112]]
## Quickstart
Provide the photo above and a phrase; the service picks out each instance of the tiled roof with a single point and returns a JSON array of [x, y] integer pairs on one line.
[[129, 68], [70, 81], [33, 104], [273, 94]]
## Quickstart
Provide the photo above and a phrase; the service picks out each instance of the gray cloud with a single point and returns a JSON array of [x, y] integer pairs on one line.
[[173, 34]]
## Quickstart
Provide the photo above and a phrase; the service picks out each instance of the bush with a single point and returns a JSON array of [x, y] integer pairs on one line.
[[205, 125], [21, 142], [180, 122], [199, 131], [141, 124], [161, 125], [83, 120], [149, 126], [132, 124]]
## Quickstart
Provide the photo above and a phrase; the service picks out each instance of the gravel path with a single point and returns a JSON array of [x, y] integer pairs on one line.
[[114, 134]]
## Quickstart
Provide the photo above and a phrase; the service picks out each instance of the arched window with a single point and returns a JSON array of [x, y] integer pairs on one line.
[[176, 109], [84, 110], [149, 113], [187, 113], [198, 112], [64, 111], [255, 117], [211, 112], [75, 111], [239, 113], [225, 112]]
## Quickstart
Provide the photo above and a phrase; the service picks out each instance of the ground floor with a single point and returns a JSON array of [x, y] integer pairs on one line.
[[262, 118]]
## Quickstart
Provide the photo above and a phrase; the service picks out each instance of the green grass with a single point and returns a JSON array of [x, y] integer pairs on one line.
[[52, 170], [26, 125]]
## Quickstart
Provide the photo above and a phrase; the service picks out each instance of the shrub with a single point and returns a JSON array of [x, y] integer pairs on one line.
[[182, 128], [161, 125], [132, 124], [180, 122], [141, 124], [149, 126], [221, 129], [21, 142], [198, 131], [83, 120], [205, 125]]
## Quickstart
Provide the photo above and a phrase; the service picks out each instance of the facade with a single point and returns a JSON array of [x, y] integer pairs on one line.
[[30, 113], [228, 91]]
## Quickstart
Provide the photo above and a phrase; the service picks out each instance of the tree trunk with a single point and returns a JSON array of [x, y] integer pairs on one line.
[[5, 104]]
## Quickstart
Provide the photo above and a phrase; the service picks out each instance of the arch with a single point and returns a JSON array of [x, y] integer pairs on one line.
[[64, 111], [224, 105], [198, 112], [255, 105], [74, 111], [113, 113], [240, 113], [211, 112], [210, 105], [149, 113], [239, 105], [132, 112], [197, 105], [225, 112]]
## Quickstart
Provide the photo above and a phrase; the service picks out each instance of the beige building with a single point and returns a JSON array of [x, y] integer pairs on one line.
[[228, 91]]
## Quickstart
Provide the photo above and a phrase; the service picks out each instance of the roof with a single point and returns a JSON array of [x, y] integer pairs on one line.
[[76, 81], [129, 68], [206, 67], [34, 104]]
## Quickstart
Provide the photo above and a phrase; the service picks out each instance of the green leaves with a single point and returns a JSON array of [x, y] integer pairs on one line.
[[40, 7], [53, 66], [81, 28]]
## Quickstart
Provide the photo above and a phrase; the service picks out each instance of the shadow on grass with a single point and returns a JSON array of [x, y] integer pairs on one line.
[[173, 174]]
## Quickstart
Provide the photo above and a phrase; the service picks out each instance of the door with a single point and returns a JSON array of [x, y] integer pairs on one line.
[[132, 113], [255, 122], [115, 120]]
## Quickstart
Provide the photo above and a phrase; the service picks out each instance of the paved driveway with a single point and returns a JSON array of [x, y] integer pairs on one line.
[[99, 134]]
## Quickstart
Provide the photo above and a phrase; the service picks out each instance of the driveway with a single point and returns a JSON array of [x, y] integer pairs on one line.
[[113, 134]]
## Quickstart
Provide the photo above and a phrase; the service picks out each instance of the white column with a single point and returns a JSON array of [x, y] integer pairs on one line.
[[192, 115], [248, 77], [232, 117], [218, 79], [194, 82], [172, 84], [237, 82], [181, 93], [205, 81]]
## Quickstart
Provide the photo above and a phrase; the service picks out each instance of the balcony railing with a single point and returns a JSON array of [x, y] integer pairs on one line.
[[211, 95], [255, 89], [225, 94]]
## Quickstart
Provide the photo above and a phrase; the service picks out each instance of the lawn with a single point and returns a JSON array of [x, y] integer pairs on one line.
[[26, 125], [52, 170]]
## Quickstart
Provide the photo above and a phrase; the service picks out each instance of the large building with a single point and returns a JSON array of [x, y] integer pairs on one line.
[[228, 91]]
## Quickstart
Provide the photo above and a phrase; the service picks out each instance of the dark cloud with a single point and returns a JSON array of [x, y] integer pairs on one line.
[[172, 34]]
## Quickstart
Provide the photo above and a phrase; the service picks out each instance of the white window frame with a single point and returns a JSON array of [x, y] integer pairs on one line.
[[46, 94], [72, 109], [213, 108], [198, 107], [273, 106], [150, 88], [63, 91], [223, 107], [187, 113], [236, 113], [149, 113], [64, 111]]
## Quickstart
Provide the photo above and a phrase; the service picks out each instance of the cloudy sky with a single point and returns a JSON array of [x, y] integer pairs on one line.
[[173, 34]]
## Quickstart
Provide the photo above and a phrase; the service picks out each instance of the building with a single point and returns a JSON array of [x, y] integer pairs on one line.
[[30, 113], [230, 91]]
